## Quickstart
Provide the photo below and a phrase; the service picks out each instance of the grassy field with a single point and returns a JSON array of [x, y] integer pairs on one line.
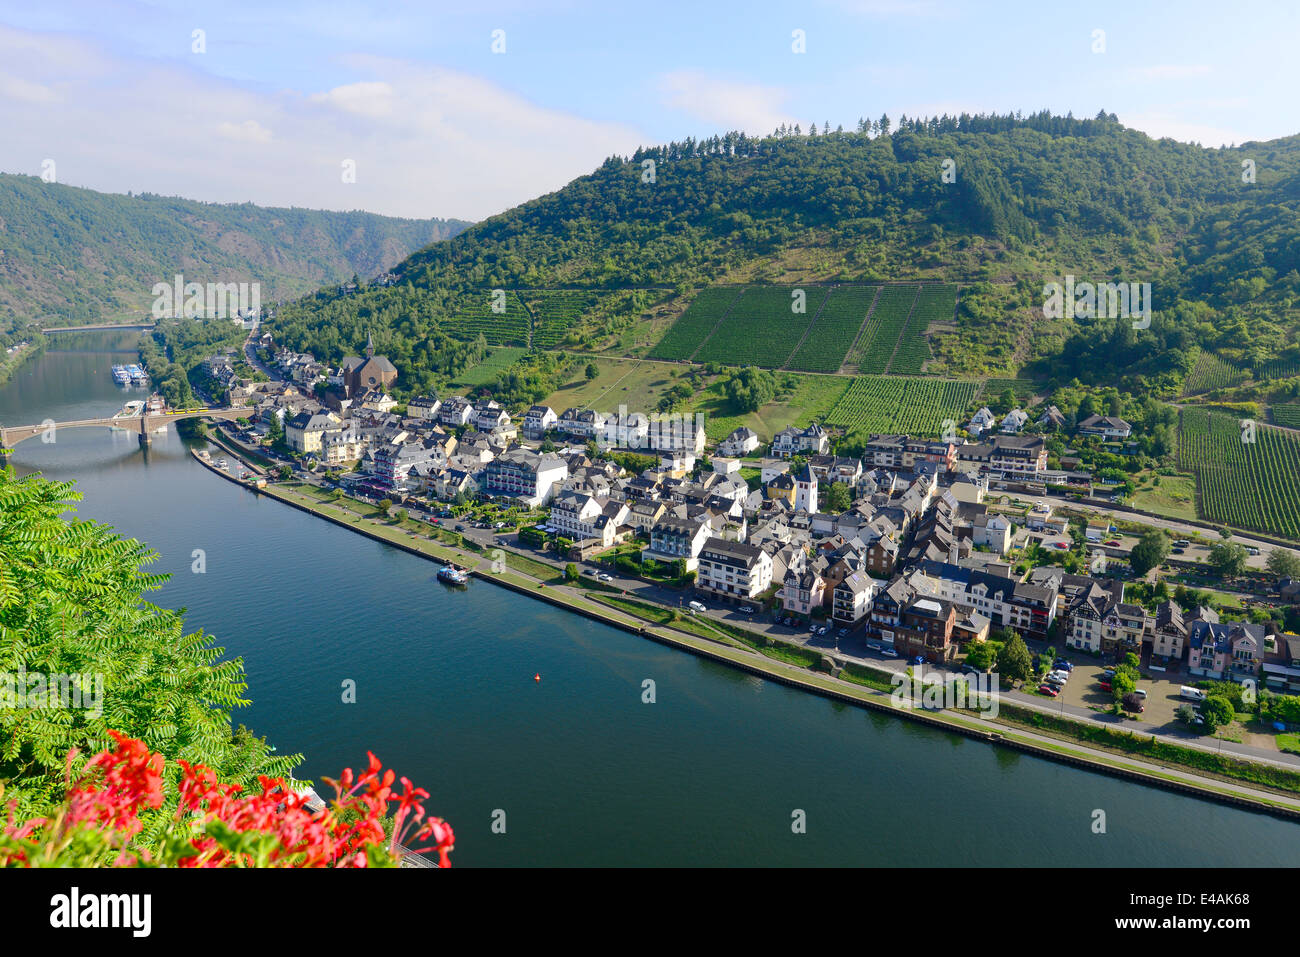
[[630, 382], [1175, 496], [811, 400]]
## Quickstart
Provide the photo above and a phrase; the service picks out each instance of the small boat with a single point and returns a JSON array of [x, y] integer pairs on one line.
[[222, 463], [453, 575]]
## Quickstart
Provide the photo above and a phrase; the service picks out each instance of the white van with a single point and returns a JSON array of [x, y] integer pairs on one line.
[[697, 606], [1191, 694]]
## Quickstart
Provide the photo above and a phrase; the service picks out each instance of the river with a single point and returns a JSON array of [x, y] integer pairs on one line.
[[584, 771]]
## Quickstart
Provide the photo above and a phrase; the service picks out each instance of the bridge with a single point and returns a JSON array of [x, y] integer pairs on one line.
[[142, 424], [107, 328]]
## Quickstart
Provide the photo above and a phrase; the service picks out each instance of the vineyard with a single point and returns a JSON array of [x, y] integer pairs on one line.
[[760, 329], [1279, 369], [694, 325], [893, 404], [835, 329], [1251, 485], [861, 326], [555, 311], [933, 303], [472, 315], [888, 319], [1287, 414], [1210, 373]]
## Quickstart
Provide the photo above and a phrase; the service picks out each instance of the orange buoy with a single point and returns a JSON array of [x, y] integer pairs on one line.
[[537, 677]]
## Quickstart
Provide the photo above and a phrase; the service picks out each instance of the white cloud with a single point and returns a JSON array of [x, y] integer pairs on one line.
[[249, 131], [726, 104], [425, 142], [16, 88], [1171, 71]]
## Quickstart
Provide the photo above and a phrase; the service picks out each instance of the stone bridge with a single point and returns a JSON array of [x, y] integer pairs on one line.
[[142, 425]]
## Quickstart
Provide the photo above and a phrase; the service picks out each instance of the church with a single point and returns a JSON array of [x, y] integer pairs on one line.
[[371, 373]]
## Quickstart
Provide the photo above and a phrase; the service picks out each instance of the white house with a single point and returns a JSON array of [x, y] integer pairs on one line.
[[1014, 421], [539, 420], [733, 569], [982, 421], [740, 442]]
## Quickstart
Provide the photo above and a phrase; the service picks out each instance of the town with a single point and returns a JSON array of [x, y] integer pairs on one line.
[[932, 552]]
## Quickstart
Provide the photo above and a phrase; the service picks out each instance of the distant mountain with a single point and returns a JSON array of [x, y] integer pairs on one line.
[[1028, 200], [76, 255]]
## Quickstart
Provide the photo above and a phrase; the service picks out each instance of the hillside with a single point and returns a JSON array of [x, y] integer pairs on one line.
[[76, 255], [1034, 199]]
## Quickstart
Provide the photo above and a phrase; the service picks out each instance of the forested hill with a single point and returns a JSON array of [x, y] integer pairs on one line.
[[72, 254], [1028, 200]]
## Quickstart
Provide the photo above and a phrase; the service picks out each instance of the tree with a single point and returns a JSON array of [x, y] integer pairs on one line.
[[1187, 715], [1014, 660], [592, 371], [837, 499], [1150, 551], [1132, 703], [571, 572], [1284, 563], [72, 598], [385, 504], [1228, 559], [1217, 711], [285, 473], [275, 430], [1122, 683]]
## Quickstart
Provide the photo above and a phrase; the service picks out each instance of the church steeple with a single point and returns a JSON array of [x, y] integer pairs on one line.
[[370, 345]]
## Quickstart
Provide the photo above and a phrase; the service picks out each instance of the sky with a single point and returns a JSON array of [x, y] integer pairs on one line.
[[467, 109]]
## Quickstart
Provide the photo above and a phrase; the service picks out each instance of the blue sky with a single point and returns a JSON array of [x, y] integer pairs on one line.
[[436, 124]]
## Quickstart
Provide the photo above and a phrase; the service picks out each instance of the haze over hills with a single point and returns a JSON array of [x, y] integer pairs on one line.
[[1030, 200], [77, 255]]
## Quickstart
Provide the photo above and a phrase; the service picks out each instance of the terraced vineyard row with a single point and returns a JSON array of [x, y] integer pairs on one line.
[[932, 303], [915, 406], [1287, 414], [1252, 485], [472, 314], [836, 327], [1278, 369], [1210, 373], [887, 322], [556, 311], [690, 329], [761, 329]]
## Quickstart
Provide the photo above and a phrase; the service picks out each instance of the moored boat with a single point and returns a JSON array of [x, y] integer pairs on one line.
[[453, 575]]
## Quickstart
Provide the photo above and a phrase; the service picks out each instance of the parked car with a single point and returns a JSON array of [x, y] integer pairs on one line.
[[1113, 543], [1048, 690], [1062, 664], [823, 629], [606, 577], [1105, 686], [697, 606], [1182, 543], [841, 633], [889, 652], [919, 660], [746, 609], [1054, 680], [1191, 694], [1178, 551], [1058, 673], [1061, 545]]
